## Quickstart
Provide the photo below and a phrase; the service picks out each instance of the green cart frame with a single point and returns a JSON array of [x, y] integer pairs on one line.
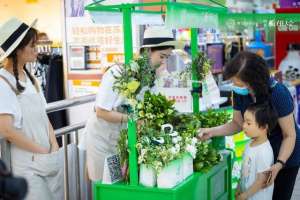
[[216, 184]]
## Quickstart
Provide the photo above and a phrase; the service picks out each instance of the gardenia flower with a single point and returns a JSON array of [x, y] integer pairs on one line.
[[177, 139], [194, 141], [132, 86], [143, 152], [174, 150], [192, 150], [177, 146]]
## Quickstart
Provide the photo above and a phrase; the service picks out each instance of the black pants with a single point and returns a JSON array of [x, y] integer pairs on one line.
[[284, 183]]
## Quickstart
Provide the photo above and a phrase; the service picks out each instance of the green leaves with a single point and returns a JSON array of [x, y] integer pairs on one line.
[[155, 110], [206, 157], [202, 65], [132, 77], [213, 118]]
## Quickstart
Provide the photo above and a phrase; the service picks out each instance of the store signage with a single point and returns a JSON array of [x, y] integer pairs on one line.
[[181, 96]]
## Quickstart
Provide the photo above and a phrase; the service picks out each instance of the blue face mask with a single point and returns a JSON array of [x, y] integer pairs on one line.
[[240, 90]]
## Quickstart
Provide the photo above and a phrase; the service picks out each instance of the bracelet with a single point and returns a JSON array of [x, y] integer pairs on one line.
[[281, 162]]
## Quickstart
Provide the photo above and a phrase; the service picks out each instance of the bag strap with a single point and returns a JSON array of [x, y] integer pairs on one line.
[[10, 85], [36, 86]]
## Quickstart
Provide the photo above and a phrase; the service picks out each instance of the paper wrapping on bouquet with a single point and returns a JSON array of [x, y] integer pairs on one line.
[[171, 175], [210, 93], [147, 176], [112, 169], [187, 165], [182, 97]]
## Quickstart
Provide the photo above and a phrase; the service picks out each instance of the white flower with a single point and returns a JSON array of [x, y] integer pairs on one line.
[[194, 141], [143, 152], [179, 138], [134, 66], [174, 150], [192, 150], [177, 146], [175, 140]]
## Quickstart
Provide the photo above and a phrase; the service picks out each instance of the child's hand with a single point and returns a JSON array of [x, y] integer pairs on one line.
[[241, 196]]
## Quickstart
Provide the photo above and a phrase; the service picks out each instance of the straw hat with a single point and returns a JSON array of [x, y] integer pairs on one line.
[[12, 33], [159, 36]]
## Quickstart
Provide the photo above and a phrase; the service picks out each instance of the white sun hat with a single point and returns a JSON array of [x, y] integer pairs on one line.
[[12, 33], [159, 36]]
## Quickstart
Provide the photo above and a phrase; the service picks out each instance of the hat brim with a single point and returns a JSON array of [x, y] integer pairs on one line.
[[176, 44], [17, 42]]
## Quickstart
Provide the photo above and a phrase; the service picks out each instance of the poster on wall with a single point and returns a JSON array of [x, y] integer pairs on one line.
[[90, 47]]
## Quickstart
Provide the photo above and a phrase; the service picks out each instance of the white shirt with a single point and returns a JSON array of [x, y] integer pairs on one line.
[[256, 160], [107, 98], [9, 103]]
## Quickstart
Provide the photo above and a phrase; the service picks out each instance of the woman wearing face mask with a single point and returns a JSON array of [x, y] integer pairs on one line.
[[104, 126], [252, 83], [23, 119]]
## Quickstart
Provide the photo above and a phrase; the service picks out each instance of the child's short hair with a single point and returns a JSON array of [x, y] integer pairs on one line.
[[264, 115]]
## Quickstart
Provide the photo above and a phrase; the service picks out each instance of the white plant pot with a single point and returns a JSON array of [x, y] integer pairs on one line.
[[187, 165], [147, 176], [171, 175]]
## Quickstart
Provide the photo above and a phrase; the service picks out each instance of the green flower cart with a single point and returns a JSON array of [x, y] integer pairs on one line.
[[213, 185]]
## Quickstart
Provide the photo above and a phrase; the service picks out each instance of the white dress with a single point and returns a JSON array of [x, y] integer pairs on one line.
[[101, 135], [43, 172]]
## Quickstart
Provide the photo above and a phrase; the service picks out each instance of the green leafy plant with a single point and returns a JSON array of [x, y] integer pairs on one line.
[[122, 146], [155, 110], [213, 118], [132, 77], [202, 65], [206, 157]]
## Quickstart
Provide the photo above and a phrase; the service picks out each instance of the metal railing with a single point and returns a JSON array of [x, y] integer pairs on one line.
[[62, 132], [67, 103]]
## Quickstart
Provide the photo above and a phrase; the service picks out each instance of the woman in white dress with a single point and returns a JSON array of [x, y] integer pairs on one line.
[[23, 119], [104, 126]]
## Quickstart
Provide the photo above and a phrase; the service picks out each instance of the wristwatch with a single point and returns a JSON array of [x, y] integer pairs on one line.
[[281, 162]]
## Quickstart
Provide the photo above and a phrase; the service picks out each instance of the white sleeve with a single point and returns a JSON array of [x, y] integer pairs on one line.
[[264, 160], [8, 99], [106, 96]]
